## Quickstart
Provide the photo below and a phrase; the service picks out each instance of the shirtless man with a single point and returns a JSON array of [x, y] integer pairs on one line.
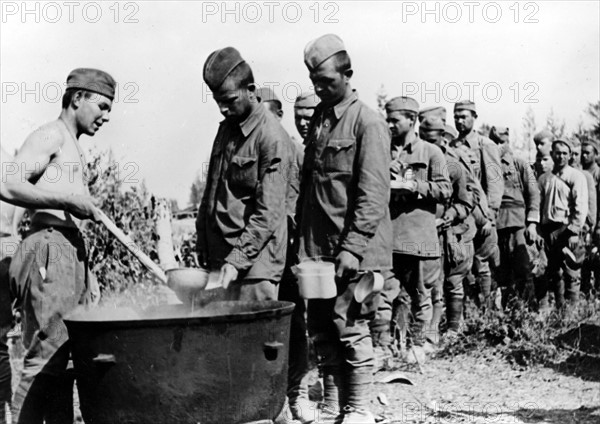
[[49, 276]]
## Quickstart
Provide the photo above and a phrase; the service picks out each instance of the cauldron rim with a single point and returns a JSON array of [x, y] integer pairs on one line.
[[264, 309]]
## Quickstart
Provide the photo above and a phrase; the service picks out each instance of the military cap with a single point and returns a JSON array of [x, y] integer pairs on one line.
[[306, 100], [439, 111], [564, 141], [265, 94], [465, 105], [321, 49], [593, 143], [219, 65], [402, 103], [451, 131], [431, 123], [499, 134], [93, 80], [543, 135]]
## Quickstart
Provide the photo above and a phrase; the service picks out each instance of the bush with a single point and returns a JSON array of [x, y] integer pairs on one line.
[[132, 209], [521, 336]]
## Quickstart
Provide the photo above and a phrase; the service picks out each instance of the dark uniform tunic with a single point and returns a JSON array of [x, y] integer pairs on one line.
[[416, 244], [520, 206], [343, 205], [457, 241], [242, 216]]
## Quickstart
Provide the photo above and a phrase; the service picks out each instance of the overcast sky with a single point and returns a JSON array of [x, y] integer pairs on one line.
[[507, 56]]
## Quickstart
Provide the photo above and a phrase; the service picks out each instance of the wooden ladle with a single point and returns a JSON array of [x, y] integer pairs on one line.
[[185, 282]]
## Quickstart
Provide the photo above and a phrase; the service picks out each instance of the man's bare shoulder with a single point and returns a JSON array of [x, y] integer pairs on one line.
[[48, 138]]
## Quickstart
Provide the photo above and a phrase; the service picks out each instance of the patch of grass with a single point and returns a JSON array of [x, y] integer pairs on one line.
[[522, 336]]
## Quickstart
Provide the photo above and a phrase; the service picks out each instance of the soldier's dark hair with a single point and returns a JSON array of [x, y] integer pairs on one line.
[[68, 96], [342, 62], [242, 74]]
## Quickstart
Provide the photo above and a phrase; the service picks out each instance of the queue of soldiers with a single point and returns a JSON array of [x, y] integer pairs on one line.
[[441, 212]]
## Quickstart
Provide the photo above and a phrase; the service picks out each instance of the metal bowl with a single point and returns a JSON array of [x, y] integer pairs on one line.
[[187, 282]]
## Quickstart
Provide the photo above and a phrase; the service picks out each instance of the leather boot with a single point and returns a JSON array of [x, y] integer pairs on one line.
[[359, 391], [334, 398], [454, 311]]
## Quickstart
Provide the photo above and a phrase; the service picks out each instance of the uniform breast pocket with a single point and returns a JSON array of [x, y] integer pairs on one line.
[[243, 171], [339, 155]]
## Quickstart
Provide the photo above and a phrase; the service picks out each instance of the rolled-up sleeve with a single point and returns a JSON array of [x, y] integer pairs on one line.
[[579, 207], [372, 188], [532, 193], [270, 208], [494, 179]]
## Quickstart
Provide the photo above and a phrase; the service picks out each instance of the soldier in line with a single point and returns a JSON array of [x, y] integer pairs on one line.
[[543, 147], [590, 221], [563, 209], [436, 111], [456, 227], [270, 101], [343, 214], [485, 159], [517, 221], [420, 168], [575, 162], [241, 224], [591, 266], [297, 390]]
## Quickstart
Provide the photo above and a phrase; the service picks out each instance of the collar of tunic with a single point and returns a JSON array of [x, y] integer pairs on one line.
[[340, 108], [248, 125]]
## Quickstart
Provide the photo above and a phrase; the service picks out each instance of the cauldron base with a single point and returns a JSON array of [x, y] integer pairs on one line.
[[225, 364]]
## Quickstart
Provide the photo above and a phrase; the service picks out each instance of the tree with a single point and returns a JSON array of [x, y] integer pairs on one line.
[[197, 190], [528, 130], [381, 100], [484, 129], [594, 111], [555, 125]]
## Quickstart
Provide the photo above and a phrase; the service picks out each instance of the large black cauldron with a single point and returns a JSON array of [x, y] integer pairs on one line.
[[223, 364]]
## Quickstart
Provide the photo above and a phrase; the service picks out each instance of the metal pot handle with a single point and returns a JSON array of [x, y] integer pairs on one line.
[[104, 358], [271, 350]]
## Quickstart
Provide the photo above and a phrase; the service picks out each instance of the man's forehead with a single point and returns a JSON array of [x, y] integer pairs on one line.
[[304, 110], [227, 93], [463, 112], [99, 99], [394, 114]]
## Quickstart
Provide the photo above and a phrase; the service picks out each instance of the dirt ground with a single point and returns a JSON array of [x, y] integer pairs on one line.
[[483, 389], [487, 389]]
